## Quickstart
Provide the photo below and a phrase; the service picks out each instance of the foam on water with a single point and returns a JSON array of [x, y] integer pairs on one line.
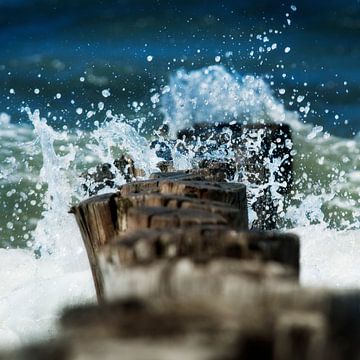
[[329, 257], [324, 209], [34, 292]]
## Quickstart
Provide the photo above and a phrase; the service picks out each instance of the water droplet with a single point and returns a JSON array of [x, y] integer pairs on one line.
[[105, 93], [300, 98]]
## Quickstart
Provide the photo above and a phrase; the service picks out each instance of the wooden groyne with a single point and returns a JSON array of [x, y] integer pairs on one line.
[[180, 275]]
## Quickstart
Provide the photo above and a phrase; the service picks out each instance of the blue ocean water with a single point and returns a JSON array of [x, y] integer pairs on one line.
[[50, 44]]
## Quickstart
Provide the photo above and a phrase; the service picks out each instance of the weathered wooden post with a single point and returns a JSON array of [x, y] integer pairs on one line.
[[263, 158]]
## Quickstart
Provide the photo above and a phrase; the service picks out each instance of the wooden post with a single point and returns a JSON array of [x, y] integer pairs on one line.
[[263, 158]]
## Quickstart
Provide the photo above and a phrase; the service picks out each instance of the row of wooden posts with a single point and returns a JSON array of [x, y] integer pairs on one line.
[[179, 274]]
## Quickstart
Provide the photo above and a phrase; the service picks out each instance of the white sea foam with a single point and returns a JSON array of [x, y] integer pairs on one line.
[[329, 258], [34, 293]]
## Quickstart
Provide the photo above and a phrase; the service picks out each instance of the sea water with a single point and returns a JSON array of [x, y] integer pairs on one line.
[[44, 266]]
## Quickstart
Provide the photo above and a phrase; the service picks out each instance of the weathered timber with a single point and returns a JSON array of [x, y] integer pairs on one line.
[[301, 335], [297, 324], [168, 330], [213, 170], [232, 333], [124, 349], [170, 234], [259, 154], [233, 194], [176, 240], [102, 218], [133, 318], [95, 218], [187, 277], [160, 218], [263, 157], [136, 330], [256, 144], [234, 217], [344, 317], [218, 170], [203, 242], [268, 168], [286, 322], [59, 349], [184, 279], [173, 202]]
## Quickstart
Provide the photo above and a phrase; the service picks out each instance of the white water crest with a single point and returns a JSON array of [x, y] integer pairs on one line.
[[324, 209], [213, 93]]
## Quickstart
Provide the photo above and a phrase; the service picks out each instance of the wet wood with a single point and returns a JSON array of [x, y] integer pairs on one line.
[[300, 335], [234, 217], [233, 194], [263, 156], [185, 279], [158, 203], [279, 324], [103, 217], [95, 218], [163, 218], [203, 242]]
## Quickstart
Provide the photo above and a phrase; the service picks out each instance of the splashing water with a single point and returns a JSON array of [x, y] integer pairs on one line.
[[53, 232], [212, 93], [324, 206], [60, 276], [324, 209], [116, 137]]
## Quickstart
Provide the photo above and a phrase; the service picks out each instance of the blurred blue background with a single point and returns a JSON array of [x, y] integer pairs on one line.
[[72, 50]]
